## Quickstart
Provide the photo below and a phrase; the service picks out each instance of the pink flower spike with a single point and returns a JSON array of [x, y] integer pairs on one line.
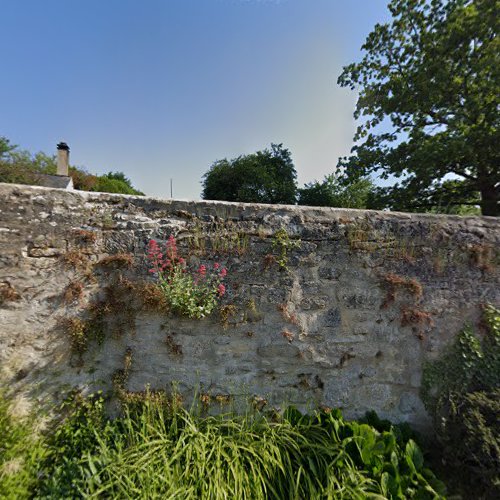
[[216, 265], [223, 272], [202, 270], [221, 289]]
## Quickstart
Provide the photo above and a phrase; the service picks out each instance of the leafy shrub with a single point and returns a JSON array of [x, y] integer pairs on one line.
[[473, 438], [461, 390]]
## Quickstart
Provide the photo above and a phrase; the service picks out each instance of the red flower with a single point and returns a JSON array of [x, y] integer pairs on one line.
[[202, 270], [221, 289], [216, 266], [223, 272]]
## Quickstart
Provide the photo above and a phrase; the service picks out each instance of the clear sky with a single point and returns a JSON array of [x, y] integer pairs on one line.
[[161, 89]]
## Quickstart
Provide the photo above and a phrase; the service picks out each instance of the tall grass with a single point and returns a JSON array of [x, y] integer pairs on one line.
[[222, 457], [21, 451], [160, 450]]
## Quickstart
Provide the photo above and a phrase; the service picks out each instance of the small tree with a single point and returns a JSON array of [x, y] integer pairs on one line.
[[266, 176], [428, 92]]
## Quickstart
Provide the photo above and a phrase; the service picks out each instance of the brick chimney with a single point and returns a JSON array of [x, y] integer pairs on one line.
[[62, 159]]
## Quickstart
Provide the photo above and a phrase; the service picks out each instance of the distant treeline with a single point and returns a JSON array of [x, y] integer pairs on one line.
[[22, 167]]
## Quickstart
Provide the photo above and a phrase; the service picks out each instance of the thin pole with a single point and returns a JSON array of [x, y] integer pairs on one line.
[[171, 189]]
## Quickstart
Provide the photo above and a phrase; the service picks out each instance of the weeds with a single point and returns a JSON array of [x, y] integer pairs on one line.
[[226, 312], [83, 236], [225, 239], [361, 236], [117, 261], [175, 349], [288, 315], [417, 319], [252, 313], [283, 244], [76, 330], [8, 293], [394, 282], [483, 257], [76, 259], [73, 292], [414, 316], [151, 296], [221, 238], [269, 260]]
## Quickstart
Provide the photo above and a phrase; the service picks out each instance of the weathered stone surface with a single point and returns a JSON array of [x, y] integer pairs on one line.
[[328, 330]]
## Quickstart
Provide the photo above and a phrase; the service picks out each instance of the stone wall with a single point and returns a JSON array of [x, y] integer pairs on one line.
[[367, 297]]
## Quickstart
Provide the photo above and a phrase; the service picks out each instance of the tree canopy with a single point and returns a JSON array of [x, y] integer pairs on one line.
[[334, 192], [267, 176], [428, 100]]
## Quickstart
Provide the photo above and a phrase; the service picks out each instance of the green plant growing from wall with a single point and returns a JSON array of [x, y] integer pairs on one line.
[[76, 330], [226, 312], [197, 243], [225, 239], [220, 238], [469, 364], [8, 293], [283, 244], [194, 294]]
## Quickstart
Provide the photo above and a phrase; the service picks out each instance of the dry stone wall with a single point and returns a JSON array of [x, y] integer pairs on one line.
[[366, 298]]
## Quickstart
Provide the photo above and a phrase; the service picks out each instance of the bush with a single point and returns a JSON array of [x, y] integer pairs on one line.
[[461, 390], [473, 438]]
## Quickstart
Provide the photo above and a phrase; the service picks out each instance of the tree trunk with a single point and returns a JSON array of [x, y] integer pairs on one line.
[[489, 201]]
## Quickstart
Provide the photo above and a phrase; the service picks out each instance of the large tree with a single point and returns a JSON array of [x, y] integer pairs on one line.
[[429, 102], [266, 176]]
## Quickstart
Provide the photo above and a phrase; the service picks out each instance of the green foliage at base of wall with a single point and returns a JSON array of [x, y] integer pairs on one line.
[[156, 449], [20, 453], [470, 364], [473, 439], [461, 391]]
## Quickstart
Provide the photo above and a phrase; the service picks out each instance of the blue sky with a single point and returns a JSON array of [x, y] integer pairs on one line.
[[161, 89]]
